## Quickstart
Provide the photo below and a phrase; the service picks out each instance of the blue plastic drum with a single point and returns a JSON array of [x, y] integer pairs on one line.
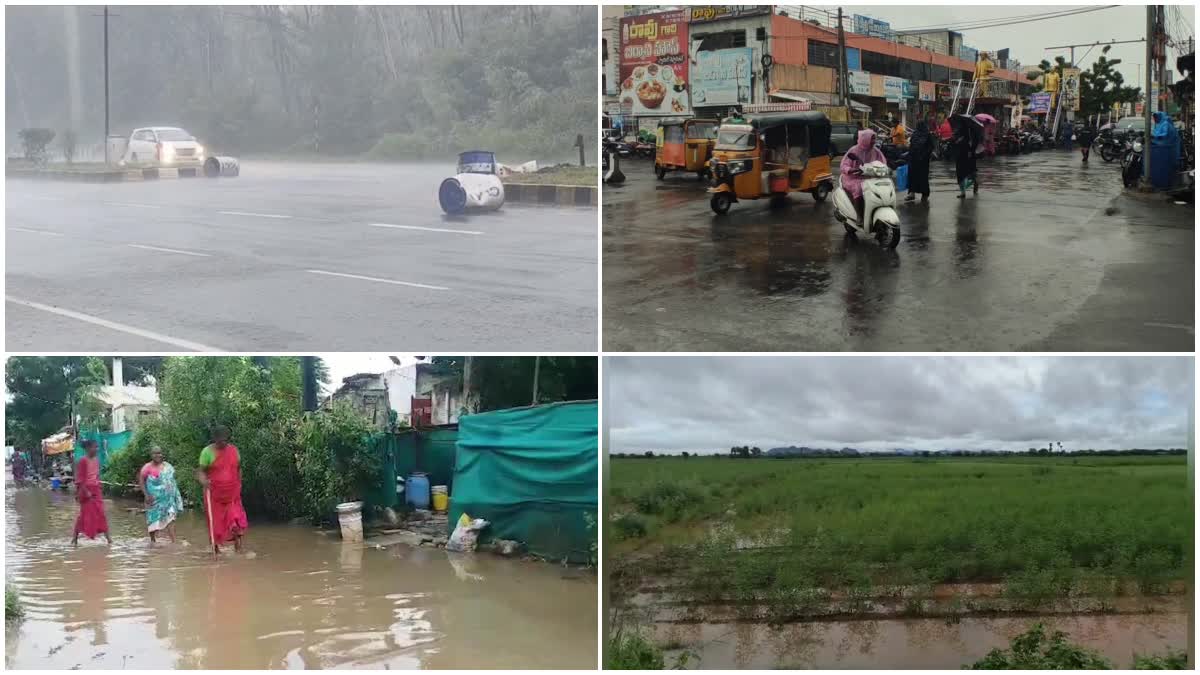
[[417, 491]]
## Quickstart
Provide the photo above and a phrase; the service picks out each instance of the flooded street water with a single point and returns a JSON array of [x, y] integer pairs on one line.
[[910, 643], [298, 599]]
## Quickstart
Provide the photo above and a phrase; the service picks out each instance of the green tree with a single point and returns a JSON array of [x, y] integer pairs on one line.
[[1102, 86], [45, 390], [1046, 67]]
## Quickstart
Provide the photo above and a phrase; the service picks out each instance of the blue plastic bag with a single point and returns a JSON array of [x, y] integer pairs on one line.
[[901, 175]]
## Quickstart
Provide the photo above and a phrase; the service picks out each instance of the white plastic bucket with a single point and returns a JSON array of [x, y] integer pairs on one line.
[[350, 519]]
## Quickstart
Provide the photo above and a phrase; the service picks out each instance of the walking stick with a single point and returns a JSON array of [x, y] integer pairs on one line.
[[212, 537]]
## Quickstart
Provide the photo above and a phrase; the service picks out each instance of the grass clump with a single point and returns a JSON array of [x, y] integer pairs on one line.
[[632, 651], [13, 610]]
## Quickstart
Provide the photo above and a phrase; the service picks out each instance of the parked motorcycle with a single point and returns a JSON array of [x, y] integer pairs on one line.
[[879, 209], [1131, 165], [1112, 146], [644, 150]]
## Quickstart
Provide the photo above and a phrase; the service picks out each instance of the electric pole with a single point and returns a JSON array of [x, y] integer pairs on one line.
[[537, 368], [1148, 108], [308, 368], [843, 85]]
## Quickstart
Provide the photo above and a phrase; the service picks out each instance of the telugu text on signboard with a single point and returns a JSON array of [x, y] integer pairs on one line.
[[654, 64], [860, 82], [1039, 103], [705, 13]]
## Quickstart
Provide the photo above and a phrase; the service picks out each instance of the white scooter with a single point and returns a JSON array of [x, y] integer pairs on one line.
[[879, 195]]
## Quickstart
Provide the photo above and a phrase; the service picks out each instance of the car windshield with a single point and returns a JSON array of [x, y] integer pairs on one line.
[[735, 139], [1131, 123], [173, 135]]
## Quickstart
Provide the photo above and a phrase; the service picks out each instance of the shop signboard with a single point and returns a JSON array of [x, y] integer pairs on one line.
[[860, 82], [925, 90], [722, 76], [909, 89], [865, 25], [706, 13], [893, 88], [853, 59], [654, 63], [877, 85], [1070, 88], [1039, 103]]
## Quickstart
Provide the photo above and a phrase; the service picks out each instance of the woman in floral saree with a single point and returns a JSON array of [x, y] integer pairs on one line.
[[163, 501]]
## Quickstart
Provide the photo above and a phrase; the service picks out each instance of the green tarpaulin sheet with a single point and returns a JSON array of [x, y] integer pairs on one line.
[[107, 442], [532, 474], [430, 451]]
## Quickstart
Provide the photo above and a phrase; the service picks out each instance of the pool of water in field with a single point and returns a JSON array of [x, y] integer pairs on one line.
[[909, 643], [297, 599]]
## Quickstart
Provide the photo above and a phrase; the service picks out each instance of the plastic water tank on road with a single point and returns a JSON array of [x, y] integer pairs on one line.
[[222, 166], [476, 187], [417, 489]]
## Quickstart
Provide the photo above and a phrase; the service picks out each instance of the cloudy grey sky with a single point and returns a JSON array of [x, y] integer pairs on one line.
[[1027, 41], [708, 404]]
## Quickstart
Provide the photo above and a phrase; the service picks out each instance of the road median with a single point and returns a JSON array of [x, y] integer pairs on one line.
[[99, 175]]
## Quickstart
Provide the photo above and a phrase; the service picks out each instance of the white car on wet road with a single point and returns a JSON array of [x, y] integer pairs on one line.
[[163, 147]]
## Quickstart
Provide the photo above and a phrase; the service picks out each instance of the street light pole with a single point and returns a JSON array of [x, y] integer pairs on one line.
[[107, 159]]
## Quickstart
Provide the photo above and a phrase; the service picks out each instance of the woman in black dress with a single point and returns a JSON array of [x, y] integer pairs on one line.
[[920, 151]]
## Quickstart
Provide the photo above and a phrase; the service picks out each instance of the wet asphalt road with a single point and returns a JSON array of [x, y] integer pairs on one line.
[[292, 257], [1050, 256]]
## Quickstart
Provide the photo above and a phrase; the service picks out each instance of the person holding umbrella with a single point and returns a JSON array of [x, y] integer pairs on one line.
[[220, 474], [966, 141]]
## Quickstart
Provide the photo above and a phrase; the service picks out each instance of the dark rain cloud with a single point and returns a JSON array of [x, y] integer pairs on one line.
[[876, 402]]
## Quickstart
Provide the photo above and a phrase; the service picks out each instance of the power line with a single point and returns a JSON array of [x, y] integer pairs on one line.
[[1006, 21]]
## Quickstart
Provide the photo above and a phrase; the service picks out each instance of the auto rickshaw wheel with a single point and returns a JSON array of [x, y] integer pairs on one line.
[[721, 202], [661, 172], [821, 192]]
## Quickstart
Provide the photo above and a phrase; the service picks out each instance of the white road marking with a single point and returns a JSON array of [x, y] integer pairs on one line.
[[170, 250], [382, 281], [136, 206], [112, 325], [1176, 326], [256, 215], [45, 232], [418, 227]]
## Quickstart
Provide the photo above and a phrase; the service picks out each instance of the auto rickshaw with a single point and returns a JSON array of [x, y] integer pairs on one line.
[[771, 155], [684, 145]]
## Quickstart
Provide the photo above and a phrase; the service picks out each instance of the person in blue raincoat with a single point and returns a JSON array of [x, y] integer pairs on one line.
[[1165, 138]]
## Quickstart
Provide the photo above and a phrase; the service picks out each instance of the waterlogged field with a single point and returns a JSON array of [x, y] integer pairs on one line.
[[777, 541]]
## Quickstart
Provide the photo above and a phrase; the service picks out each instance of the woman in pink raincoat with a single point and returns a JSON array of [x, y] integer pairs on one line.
[[862, 153]]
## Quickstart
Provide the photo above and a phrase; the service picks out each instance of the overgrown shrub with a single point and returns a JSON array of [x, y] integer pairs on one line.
[[35, 141], [631, 651], [1169, 661], [1034, 650], [336, 462], [12, 604], [629, 526]]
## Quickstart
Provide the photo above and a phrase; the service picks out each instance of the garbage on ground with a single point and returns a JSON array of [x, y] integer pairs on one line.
[[503, 170], [506, 547], [465, 537]]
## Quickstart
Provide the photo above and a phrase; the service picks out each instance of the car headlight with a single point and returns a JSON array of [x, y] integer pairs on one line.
[[199, 150], [168, 151]]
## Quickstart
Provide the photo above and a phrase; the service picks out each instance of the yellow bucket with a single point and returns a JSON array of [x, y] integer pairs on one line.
[[441, 500]]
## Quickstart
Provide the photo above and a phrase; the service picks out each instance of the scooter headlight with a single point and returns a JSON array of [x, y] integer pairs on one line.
[[1137, 147]]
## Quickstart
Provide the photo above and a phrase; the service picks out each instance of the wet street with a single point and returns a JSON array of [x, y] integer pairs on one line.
[[1050, 256], [292, 256], [298, 599]]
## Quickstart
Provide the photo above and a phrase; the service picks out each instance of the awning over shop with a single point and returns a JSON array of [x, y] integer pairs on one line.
[[58, 443], [816, 98]]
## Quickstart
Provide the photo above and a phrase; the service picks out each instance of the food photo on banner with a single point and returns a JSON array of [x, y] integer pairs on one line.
[[654, 64]]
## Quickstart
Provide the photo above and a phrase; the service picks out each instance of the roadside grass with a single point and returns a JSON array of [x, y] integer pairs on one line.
[[790, 530], [563, 174], [12, 604], [1035, 649]]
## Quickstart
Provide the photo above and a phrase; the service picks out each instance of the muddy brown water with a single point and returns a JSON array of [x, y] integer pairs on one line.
[[910, 643], [298, 599], [904, 644]]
